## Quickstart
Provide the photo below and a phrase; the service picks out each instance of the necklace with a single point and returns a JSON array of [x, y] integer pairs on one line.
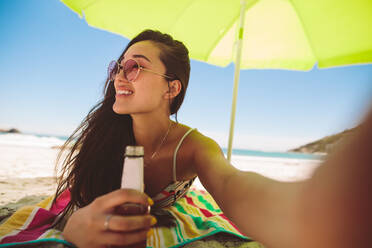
[[160, 144]]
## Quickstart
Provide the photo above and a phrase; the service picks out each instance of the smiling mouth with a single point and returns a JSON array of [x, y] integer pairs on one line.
[[124, 92]]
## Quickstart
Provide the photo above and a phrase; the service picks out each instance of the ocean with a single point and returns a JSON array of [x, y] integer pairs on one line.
[[54, 140], [30, 155]]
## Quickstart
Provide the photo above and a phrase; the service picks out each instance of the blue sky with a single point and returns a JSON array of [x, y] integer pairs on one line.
[[53, 66]]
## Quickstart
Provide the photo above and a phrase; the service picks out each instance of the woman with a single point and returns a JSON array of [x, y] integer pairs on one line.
[[148, 84], [332, 209], [145, 86]]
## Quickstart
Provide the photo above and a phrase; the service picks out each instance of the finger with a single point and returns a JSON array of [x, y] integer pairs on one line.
[[109, 201], [124, 238], [131, 223]]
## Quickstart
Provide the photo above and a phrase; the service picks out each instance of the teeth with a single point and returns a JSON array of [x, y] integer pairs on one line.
[[124, 92]]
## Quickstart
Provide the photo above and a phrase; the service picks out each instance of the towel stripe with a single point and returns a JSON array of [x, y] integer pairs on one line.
[[31, 222], [197, 216]]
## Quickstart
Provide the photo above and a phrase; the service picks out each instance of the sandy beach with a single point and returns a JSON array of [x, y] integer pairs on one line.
[[27, 169]]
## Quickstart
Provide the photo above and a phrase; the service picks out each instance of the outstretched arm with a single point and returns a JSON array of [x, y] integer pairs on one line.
[[332, 209], [336, 202], [262, 208]]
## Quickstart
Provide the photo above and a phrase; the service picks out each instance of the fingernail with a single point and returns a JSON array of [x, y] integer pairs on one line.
[[150, 233], [153, 221], [150, 201]]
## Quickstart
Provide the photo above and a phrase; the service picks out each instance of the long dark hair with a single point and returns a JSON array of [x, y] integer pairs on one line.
[[93, 164]]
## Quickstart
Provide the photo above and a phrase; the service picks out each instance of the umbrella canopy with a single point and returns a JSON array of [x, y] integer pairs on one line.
[[274, 34]]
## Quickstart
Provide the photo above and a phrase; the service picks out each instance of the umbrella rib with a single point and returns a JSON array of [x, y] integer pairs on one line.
[[249, 6], [89, 3], [305, 31], [183, 12], [220, 37]]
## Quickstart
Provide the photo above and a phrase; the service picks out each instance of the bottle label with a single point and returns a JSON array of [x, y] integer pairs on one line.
[[132, 177]]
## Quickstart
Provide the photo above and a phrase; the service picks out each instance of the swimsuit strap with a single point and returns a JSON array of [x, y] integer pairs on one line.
[[175, 153]]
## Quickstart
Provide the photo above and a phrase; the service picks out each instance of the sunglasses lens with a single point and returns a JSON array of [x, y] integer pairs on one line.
[[112, 70], [131, 69]]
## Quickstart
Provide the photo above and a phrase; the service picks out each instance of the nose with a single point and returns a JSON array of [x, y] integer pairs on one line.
[[121, 77], [120, 69]]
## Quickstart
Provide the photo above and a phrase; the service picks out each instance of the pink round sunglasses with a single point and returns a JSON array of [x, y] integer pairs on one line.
[[131, 69]]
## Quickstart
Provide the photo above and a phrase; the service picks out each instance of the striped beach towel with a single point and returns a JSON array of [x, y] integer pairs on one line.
[[197, 216], [29, 226]]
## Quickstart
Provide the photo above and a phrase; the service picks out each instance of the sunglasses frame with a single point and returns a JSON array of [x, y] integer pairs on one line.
[[121, 67]]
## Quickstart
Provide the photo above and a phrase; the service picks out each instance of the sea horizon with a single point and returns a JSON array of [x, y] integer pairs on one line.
[[235, 151]]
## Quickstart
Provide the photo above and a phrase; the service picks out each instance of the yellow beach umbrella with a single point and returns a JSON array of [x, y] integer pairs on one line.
[[254, 34]]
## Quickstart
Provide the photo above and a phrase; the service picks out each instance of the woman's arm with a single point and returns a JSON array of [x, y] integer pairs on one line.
[[336, 202], [332, 209], [262, 208]]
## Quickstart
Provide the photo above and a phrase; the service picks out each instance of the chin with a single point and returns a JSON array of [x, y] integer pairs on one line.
[[119, 110]]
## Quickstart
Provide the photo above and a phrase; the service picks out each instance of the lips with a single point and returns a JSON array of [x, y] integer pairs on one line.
[[124, 92]]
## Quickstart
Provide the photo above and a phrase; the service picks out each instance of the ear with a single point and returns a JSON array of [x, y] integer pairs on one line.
[[175, 87]]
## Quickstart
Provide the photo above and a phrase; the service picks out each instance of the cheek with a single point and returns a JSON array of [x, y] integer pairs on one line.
[[150, 91], [149, 98]]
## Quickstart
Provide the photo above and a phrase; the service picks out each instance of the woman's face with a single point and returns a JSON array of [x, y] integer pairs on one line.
[[147, 92]]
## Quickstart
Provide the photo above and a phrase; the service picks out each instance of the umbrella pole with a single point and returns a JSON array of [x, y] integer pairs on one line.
[[239, 44]]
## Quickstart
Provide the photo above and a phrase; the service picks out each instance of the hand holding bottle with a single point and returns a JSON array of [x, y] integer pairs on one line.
[[97, 224]]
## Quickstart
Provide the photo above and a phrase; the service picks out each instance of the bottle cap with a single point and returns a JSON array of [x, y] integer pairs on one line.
[[135, 151]]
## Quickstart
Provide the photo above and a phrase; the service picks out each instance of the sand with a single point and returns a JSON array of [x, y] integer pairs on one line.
[[27, 173], [18, 192], [14, 189]]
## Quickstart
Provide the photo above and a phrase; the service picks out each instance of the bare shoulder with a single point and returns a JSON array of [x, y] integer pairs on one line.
[[198, 146], [204, 149], [202, 143], [209, 162]]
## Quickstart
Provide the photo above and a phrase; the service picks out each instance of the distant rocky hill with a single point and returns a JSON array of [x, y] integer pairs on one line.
[[324, 145], [11, 130]]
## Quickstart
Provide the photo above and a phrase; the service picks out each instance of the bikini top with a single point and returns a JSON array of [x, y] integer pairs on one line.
[[169, 195]]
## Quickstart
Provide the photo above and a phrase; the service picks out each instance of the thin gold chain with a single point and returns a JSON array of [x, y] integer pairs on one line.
[[160, 144]]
